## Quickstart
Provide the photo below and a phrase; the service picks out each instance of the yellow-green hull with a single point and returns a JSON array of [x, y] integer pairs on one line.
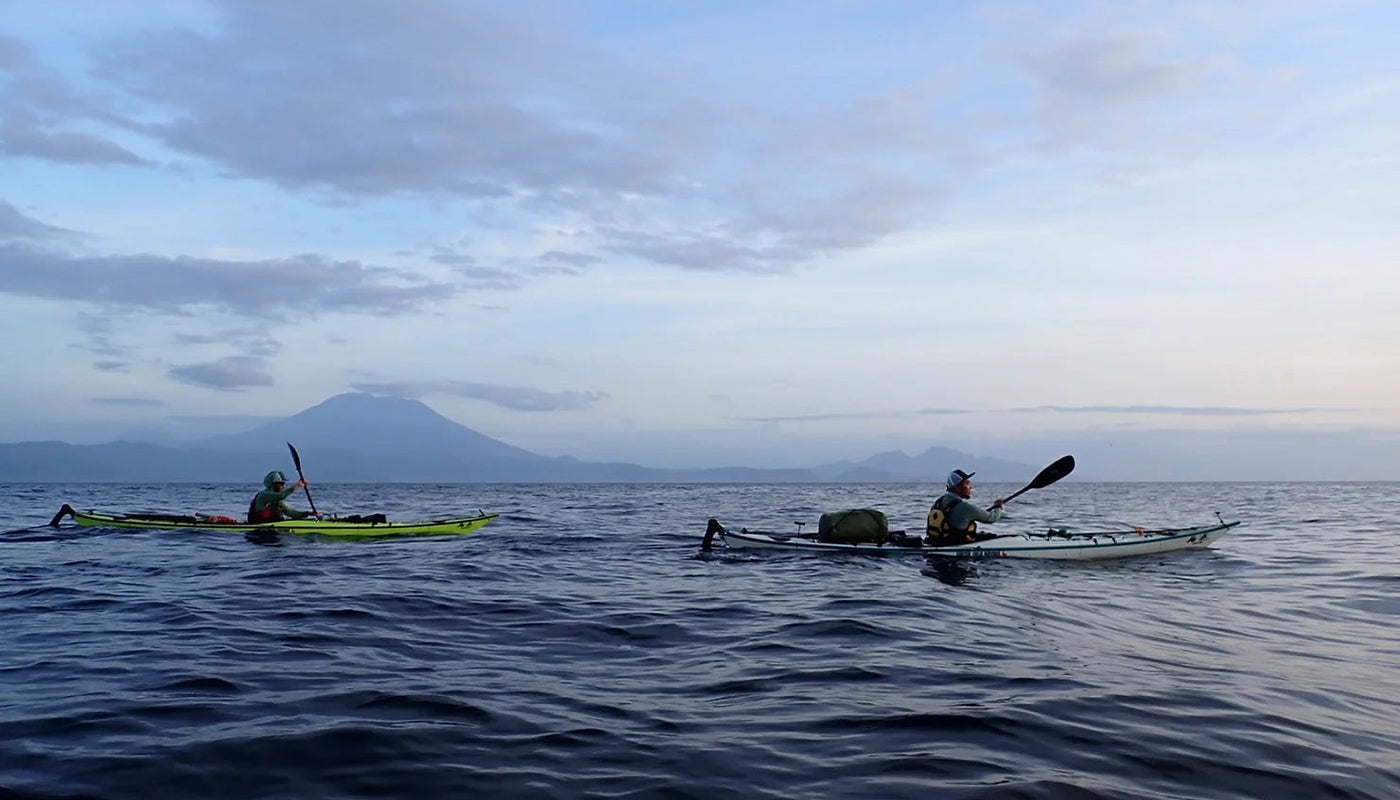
[[321, 527]]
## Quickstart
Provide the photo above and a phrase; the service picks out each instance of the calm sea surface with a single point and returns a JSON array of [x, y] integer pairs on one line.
[[583, 646]]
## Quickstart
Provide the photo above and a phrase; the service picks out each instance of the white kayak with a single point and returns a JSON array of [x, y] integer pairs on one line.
[[1053, 544]]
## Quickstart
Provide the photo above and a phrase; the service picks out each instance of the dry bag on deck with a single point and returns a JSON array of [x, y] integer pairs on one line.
[[854, 525]]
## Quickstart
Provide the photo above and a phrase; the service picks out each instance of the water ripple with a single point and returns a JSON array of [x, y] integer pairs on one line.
[[583, 646]]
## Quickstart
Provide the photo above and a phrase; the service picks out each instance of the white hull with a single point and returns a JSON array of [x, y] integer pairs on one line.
[[1065, 547]]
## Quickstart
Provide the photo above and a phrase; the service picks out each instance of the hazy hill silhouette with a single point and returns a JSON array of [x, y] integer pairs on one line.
[[369, 438]]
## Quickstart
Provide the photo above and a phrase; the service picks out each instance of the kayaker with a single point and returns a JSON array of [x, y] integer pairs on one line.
[[953, 518], [270, 505]]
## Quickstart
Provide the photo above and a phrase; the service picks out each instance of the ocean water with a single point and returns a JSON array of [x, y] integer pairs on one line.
[[583, 646]]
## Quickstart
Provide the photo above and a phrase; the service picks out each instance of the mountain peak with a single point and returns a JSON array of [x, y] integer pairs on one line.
[[373, 425], [360, 406], [367, 400]]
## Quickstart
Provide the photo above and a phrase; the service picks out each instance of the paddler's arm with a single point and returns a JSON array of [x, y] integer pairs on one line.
[[985, 515], [292, 513], [304, 514], [288, 492]]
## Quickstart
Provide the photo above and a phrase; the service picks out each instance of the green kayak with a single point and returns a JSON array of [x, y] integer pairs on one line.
[[356, 526]]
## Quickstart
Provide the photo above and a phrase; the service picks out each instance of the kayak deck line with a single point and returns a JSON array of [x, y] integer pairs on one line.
[[372, 526], [1052, 544]]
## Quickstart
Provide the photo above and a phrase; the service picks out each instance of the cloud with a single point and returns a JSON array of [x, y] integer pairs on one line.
[[700, 251], [234, 421], [128, 402], [1110, 93], [452, 258], [475, 277], [269, 289], [14, 225], [1189, 411], [14, 53], [569, 259], [1110, 70], [98, 340], [473, 274], [227, 374], [66, 146], [516, 398], [511, 111], [858, 415], [366, 99], [559, 262], [35, 102], [251, 341]]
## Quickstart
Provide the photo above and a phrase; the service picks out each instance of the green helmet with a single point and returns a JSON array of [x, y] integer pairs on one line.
[[271, 478]]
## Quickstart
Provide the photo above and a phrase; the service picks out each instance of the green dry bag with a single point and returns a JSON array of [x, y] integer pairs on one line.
[[854, 525]]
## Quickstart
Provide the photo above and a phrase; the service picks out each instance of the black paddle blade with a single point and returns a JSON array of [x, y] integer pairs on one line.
[[711, 528], [1052, 473], [296, 459], [1047, 476], [66, 511]]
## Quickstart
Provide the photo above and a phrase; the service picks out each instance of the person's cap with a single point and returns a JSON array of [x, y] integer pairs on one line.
[[957, 476]]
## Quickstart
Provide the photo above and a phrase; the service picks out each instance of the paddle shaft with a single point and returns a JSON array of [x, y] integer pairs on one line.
[[296, 459], [1017, 493]]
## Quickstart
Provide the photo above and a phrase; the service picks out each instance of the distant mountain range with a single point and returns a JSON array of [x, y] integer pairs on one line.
[[356, 438]]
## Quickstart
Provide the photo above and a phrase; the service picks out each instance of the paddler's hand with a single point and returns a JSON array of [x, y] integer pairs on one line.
[[998, 504], [301, 484]]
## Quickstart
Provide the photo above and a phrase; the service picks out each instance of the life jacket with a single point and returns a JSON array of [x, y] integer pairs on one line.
[[272, 512], [940, 529]]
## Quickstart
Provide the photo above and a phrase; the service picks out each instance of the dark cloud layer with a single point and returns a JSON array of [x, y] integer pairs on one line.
[[14, 225], [369, 98], [35, 105], [508, 107], [68, 146], [226, 374], [516, 398], [271, 289]]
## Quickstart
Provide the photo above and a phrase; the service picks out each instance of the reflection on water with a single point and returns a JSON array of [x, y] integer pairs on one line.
[[952, 571]]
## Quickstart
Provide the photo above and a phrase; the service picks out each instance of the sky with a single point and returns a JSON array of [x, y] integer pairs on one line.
[[1162, 236]]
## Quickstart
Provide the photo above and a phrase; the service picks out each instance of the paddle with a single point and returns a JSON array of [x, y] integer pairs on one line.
[[1047, 476], [296, 459]]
